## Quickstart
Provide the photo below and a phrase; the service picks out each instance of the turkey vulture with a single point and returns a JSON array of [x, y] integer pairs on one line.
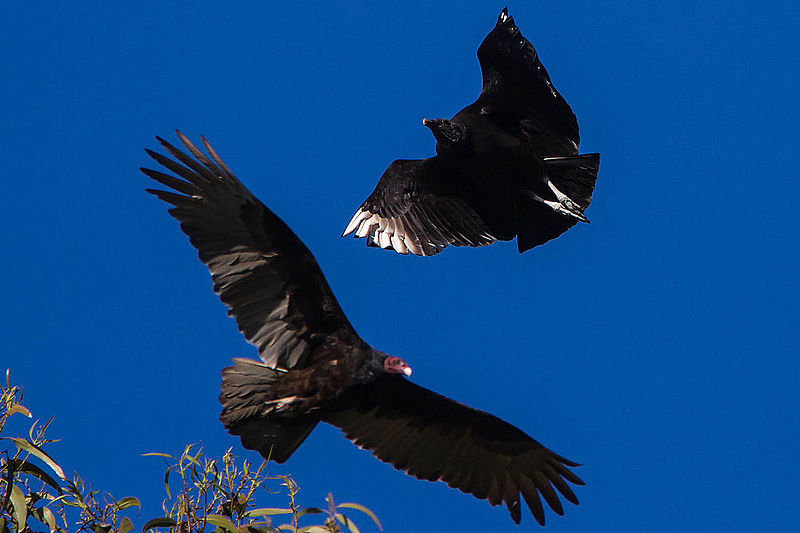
[[314, 367], [506, 165]]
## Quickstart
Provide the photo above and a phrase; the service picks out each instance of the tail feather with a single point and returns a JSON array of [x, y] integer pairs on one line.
[[539, 224], [247, 389], [251, 411], [574, 175], [274, 439]]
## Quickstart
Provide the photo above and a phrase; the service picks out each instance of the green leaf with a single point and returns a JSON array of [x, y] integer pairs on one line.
[[193, 460], [166, 481], [125, 525], [364, 510], [75, 504], [159, 522], [128, 501], [263, 528], [19, 409], [313, 529], [158, 454], [34, 450], [309, 510], [101, 528], [347, 522], [49, 518], [18, 465], [266, 511], [20, 510], [220, 521], [286, 527]]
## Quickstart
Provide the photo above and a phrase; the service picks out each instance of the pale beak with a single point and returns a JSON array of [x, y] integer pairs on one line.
[[407, 371]]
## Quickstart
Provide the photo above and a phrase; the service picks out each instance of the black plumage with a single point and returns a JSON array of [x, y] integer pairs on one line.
[[315, 368], [506, 165]]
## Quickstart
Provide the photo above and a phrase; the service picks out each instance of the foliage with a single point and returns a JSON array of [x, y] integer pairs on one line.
[[209, 494]]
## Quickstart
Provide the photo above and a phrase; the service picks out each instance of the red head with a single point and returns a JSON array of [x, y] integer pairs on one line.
[[395, 365]]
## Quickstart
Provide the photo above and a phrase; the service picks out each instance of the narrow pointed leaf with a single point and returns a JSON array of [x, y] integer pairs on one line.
[[309, 510], [34, 450], [49, 518], [159, 522], [18, 504], [75, 504], [128, 501], [32, 470], [364, 510], [347, 523], [266, 511], [260, 527], [313, 529], [19, 409], [157, 454], [166, 482], [221, 521]]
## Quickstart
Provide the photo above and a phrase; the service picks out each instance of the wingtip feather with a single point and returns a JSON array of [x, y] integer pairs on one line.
[[503, 17], [359, 215], [215, 156]]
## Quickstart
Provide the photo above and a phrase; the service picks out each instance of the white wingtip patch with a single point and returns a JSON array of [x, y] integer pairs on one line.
[[385, 239], [365, 226], [360, 215], [387, 233], [399, 245]]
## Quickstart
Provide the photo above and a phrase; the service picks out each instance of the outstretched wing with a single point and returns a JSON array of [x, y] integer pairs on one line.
[[416, 208], [266, 276], [518, 94], [434, 438]]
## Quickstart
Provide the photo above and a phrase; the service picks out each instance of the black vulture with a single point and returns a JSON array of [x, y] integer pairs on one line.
[[506, 165], [315, 368]]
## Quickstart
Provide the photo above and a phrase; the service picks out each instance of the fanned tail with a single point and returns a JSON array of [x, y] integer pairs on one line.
[[251, 411], [574, 176]]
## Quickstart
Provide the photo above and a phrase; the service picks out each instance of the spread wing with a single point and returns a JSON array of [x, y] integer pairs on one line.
[[518, 94], [266, 276], [434, 438], [416, 208]]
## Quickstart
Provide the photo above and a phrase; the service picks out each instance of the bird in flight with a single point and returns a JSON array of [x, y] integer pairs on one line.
[[506, 165], [315, 368]]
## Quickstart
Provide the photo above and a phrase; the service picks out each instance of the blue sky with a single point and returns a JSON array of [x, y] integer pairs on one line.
[[658, 346]]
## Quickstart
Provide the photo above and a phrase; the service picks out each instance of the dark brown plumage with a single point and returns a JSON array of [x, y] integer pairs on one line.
[[315, 368], [507, 165]]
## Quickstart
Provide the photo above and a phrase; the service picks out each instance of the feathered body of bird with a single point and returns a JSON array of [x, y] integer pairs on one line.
[[507, 165], [315, 368]]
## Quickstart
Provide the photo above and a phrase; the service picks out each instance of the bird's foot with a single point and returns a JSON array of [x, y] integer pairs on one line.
[[564, 204]]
